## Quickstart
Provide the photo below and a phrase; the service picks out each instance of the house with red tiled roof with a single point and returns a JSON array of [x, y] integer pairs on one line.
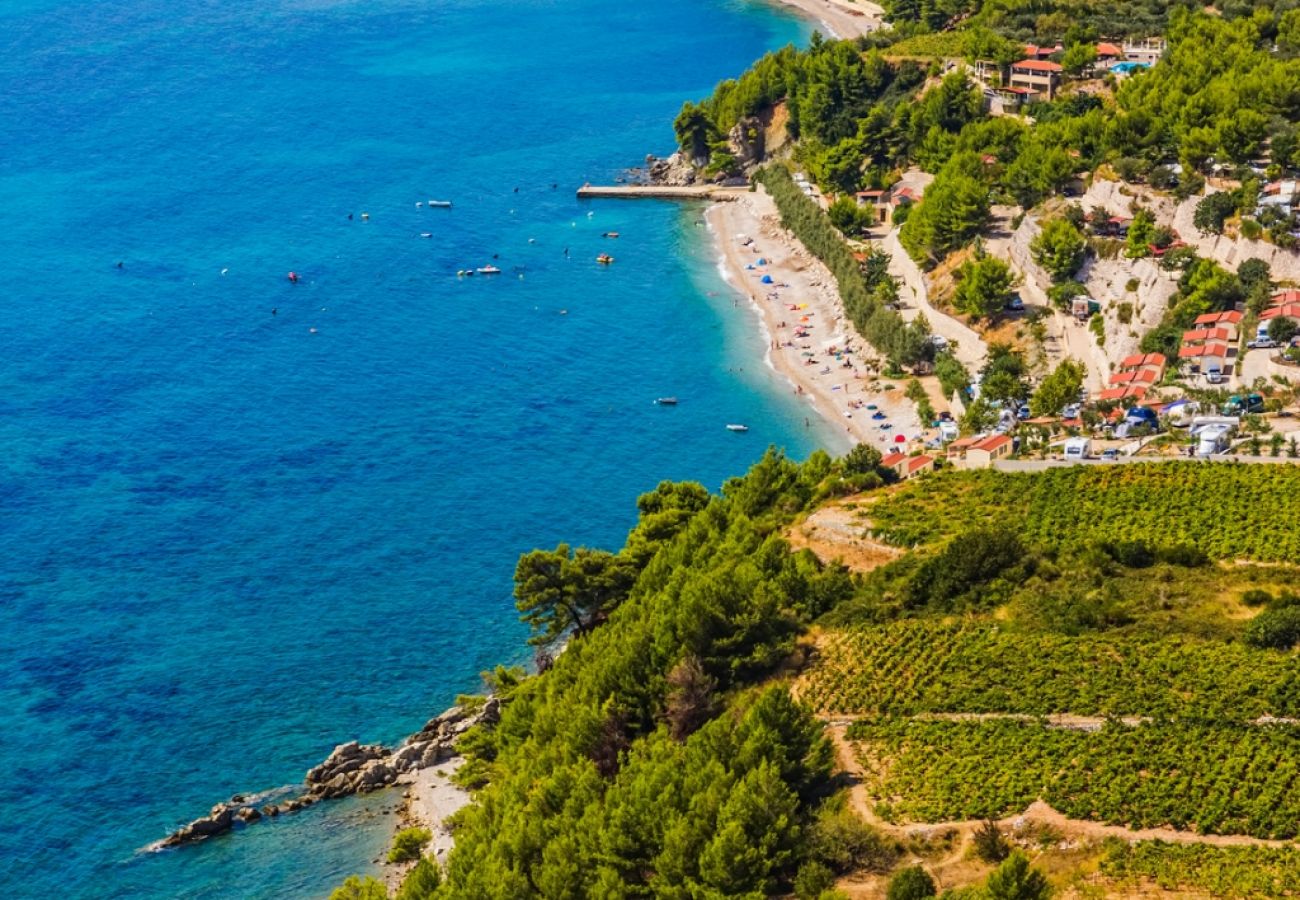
[[1218, 334], [1034, 51], [1140, 360], [982, 453], [1108, 52], [1203, 356], [906, 467], [1140, 368], [1038, 75], [1285, 311], [1135, 376], [1291, 295], [1232, 317], [892, 460], [1121, 393]]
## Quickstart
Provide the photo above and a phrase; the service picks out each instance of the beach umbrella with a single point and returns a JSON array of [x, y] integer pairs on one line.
[[762, 262], [767, 279], [899, 439]]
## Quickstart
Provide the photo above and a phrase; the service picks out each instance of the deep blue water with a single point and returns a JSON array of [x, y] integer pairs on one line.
[[230, 539]]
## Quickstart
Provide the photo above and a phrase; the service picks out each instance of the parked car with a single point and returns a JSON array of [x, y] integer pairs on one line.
[[1072, 411], [1110, 454], [1023, 412], [1015, 304], [1262, 344], [1213, 374]]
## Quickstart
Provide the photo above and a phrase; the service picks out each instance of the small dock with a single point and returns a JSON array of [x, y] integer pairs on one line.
[[660, 192]]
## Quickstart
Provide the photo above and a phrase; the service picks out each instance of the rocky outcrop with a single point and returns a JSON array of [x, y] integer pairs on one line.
[[746, 142], [352, 768], [676, 170]]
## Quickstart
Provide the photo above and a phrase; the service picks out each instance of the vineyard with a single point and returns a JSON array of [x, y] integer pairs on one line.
[[916, 666], [1222, 871], [1228, 510], [1207, 778]]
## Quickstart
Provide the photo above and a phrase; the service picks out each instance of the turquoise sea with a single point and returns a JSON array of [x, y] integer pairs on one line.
[[243, 520]]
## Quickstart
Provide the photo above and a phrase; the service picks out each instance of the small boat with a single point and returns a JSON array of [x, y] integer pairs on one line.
[[426, 234], [667, 401], [604, 259], [440, 204], [610, 234], [738, 428], [489, 270]]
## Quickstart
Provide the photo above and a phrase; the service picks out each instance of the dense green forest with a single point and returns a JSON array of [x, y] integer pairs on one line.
[[664, 754], [861, 114]]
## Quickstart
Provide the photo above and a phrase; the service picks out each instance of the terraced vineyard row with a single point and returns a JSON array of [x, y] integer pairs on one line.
[[1228, 510], [1210, 779], [1222, 871], [926, 666]]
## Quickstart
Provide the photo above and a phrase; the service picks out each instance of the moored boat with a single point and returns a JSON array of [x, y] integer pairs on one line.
[[604, 259], [489, 270], [442, 204], [667, 401], [738, 428]]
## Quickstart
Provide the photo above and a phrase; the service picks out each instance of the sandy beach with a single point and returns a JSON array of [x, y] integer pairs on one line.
[[810, 341], [841, 18]]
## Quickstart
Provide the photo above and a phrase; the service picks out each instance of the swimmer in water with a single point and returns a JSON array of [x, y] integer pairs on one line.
[[275, 310]]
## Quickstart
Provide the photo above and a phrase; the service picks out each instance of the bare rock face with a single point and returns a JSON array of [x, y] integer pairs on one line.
[[675, 170], [745, 140]]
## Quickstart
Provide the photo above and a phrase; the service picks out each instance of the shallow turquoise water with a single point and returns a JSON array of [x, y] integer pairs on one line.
[[229, 542]]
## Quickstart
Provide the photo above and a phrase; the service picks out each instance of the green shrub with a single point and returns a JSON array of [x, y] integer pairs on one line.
[[408, 844], [421, 882], [1276, 628], [358, 888], [989, 844], [1256, 597], [813, 880], [912, 883]]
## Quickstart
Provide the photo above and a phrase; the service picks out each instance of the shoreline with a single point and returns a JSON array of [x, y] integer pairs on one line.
[[802, 342], [843, 19]]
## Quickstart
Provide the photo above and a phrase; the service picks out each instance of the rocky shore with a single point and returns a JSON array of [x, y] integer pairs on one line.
[[352, 768]]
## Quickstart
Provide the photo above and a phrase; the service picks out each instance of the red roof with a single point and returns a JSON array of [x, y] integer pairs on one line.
[[905, 193], [1036, 65], [1147, 375], [991, 443], [917, 462], [870, 193], [962, 443], [1286, 310], [1033, 50], [893, 459], [1224, 318], [1105, 49], [1220, 350], [1144, 359], [1119, 393], [1287, 296], [1200, 335]]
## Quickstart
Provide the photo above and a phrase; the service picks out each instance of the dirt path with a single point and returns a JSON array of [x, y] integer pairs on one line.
[[966, 344], [1038, 812]]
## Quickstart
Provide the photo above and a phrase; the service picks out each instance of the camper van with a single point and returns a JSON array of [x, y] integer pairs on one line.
[[1078, 449], [1213, 439]]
